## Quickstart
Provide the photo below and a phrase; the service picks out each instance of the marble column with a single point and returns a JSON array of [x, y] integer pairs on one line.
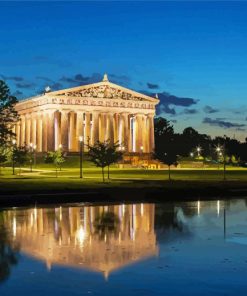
[[132, 146], [65, 130], [50, 131], [95, 126], [126, 131], [116, 127], [72, 131], [57, 129], [88, 130], [139, 140], [151, 132], [39, 133], [27, 130], [22, 133], [33, 129], [110, 128], [79, 128], [44, 132], [102, 127]]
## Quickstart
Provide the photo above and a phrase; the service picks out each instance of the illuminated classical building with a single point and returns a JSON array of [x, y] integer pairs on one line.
[[100, 111], [97, 238]]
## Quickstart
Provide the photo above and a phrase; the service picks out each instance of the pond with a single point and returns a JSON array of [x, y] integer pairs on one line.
[[180, 248]]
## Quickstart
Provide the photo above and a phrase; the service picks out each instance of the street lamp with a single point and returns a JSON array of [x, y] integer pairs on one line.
[[224, 158], [81, 148], [191, 154], [198, 149], [13, 156], [34, 150]]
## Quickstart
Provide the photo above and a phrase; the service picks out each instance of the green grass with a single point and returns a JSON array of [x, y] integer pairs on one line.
[[43, 179]]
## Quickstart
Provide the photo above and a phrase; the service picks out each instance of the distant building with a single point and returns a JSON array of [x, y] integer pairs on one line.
[[98, 111]]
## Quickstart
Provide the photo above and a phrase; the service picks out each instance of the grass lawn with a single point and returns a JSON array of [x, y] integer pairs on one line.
[[43, 179]]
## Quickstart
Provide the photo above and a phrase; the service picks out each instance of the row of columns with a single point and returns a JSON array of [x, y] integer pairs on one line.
[[49, 130]]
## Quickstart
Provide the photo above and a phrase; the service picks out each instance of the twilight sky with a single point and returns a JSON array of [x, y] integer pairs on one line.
[[193, 54]]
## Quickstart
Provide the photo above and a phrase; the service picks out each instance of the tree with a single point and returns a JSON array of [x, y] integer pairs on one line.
[[8, 115], [19, 156], [8, 251], [104, 154], [113, 155], [168, 157], [57, 158], [3, 158]]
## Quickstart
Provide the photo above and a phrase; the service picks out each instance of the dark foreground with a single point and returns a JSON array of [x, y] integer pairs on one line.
[[134, 191]]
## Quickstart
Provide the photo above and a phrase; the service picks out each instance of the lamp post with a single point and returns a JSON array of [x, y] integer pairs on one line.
[[224, 159], [81, 148], [13, 156], [198, 149]]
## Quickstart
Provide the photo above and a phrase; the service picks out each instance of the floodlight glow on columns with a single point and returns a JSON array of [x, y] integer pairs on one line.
[[60, 146]]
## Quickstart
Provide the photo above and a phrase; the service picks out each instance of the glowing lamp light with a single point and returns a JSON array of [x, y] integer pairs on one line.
[[81, 138], [14, 142], [81, 235]]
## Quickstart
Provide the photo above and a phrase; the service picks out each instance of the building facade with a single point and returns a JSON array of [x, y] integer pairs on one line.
[[95, 112]]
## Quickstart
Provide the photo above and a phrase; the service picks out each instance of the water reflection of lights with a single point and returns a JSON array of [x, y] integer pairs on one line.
[[142, 209], [14, 226], [218, 207], [198, 207], [81, 235], [35, 213]]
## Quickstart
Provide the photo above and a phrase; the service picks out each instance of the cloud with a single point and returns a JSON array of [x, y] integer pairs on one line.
[[44, 78], [167, 100], [13, 78], [239, 129], [152, 86], [25, 85], [222, 123], [210, 110], [80, 79], [162, 108], [189, 111], [120, 79]]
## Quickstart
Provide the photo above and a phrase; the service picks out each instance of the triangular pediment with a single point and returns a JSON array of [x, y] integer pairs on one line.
[[104, 89]]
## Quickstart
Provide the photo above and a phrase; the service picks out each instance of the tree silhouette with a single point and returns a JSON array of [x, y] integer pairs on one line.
[[103, 154], [8, 115], [8, 252]]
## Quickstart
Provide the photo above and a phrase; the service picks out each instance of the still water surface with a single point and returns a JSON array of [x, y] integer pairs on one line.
[[187, 248]]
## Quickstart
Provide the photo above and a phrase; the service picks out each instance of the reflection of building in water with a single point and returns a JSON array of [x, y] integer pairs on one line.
[[101, 238]]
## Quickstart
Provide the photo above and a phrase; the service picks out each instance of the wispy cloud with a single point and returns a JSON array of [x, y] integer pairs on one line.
[[189, 111], [152, 85], [168, 101], [210, 110], [25, 85], [12, 78], [220, 122]]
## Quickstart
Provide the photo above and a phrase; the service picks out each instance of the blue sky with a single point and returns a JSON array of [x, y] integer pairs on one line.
[[193, 54]]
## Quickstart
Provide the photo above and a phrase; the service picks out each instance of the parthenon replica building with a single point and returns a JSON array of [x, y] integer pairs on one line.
[[96, 112]]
